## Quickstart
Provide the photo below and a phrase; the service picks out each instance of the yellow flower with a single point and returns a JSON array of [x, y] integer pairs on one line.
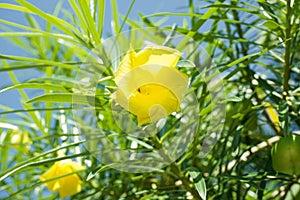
[[149, 85], [19, 140], [66, 185], [272, 114]]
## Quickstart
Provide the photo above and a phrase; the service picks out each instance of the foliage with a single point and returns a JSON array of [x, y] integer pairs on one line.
[[254, 51]]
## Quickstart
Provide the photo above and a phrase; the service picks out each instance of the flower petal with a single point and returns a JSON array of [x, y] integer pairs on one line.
[[152, 102], [67, 185], [126, 65], [157, 55], [174, 80], [171, 78], [149, 85], [51, 173]]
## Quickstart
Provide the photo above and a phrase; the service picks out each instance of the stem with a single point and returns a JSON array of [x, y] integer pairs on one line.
[[186, 183], [195, 27], [189, 186], [246, 73], [35, 116], [246, 155], [287, 50], [287, 63], [192, 12]]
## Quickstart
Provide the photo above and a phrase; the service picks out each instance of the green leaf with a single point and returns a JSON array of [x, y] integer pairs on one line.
[[199, 181], [14, 7], [149, 35], [80, 15], [21, 111], [198, 25], [126, 16], [59, 23], [90, 22], [233, 99], [163, 14], [11, 110], [115, 15], [44, 86], [248, 58], [35, 116], [271, 24], [8, 126], [67, 98], [32, 162], [42, 33], [101, 11], [100, 169], [40, 63], [186, 64]]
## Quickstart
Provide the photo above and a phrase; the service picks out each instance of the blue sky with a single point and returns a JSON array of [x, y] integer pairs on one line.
[[146, 7]]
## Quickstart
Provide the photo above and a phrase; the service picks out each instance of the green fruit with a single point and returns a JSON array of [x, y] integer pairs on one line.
[[286, 155]]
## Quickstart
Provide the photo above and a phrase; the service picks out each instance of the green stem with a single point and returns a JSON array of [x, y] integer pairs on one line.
[[287, 63], [192, 12], [126, 16], [30, 162], [287, 50], [212, 10], [48, 113], [35, 116], [246, 72], [176, 170]]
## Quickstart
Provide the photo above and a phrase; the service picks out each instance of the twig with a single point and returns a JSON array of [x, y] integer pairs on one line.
[[248, 153]]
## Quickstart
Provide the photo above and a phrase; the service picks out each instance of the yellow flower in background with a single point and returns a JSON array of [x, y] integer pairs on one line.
[[273, 115], [20, 139], [66, 185], [149, 85]]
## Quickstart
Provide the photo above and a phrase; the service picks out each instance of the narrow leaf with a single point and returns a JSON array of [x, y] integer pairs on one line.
[[100, 169], [44, 86], [199, 182], [67, 98]]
